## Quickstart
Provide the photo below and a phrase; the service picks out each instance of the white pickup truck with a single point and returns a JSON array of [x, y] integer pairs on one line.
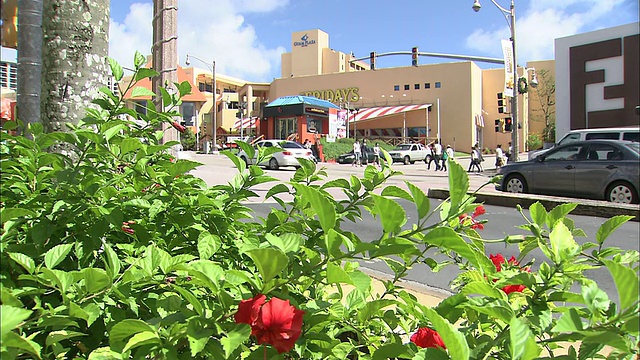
[[410, 153]]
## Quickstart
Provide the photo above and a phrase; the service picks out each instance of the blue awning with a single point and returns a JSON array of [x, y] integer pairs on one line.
[[300, 99]]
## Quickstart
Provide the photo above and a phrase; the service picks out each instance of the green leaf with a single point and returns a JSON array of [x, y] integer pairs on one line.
[[337, 275], [182, 167], [208, 245], [447, 238], [184, 88], [392, 215], [138, 60], [95, 280], [610, 226], [56, 255], [24, 261], [288, 243], [596, 299], [270, 262], [495, 308], [420, 199], [112, 131], [371, 308], [130, 144], [145, 73], [458, 185], [12, 317], [320, 204], [483, 288], [234, 338], [395, 191], [142, 338], [360, 280], [104, 353], [558, 213], [140, 91], [626, 280], [453, 339], [523, 344], [13, 213], [192, 299], [538, 213], [277, 189], [563, 246], [112, 261], [392, 351], [13, 340], [569, 322], [140, 203], [126, 328], [116, 69], [57, 336]]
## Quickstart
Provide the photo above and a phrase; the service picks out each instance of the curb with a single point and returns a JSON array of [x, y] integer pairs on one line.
[[585, 207]]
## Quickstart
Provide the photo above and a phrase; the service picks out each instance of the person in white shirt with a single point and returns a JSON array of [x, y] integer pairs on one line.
[[356, 153], [450, 153], [499, 156], [376, 154], [437, 150]]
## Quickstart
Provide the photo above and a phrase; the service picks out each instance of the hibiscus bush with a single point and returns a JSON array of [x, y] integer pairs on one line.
[[112, 250]]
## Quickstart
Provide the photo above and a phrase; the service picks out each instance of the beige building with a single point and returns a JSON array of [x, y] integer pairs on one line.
[[455, 101]]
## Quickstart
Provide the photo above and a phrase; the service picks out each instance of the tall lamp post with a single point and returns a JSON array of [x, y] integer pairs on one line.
[[214, 108], [510, 16]]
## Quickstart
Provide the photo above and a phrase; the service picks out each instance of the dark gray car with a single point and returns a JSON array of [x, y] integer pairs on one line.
[[595, 169]]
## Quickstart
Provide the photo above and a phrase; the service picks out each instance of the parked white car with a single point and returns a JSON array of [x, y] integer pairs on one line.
[[410, 153], [291, 152]]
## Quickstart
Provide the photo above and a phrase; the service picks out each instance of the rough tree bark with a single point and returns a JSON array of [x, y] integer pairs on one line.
[[76, 43]]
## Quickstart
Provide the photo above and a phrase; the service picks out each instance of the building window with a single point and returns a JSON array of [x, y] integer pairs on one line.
[[427, 85], [416, 86], [406, 87], [188, 113], [396, 87], [141, 106], [438, 85]]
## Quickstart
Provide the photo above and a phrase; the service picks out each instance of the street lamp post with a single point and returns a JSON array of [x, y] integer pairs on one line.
[[510, 16], [214, 108]]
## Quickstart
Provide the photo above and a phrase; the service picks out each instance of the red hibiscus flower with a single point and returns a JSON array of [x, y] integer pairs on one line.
[[427, 338], [178, 127], [497, 261], [248, 310], [480, 210], [277, 322]]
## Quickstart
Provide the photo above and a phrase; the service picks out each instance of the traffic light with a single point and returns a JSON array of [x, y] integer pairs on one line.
[[499, 125], [372, 60], [508, 123], [502, 103], [414, 56]]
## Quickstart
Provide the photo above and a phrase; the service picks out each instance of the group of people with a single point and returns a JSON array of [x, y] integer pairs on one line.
[[439, 156], [502, 157], [360, 153]]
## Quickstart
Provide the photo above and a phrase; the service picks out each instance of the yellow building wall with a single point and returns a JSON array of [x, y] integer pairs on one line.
[[546, 75]]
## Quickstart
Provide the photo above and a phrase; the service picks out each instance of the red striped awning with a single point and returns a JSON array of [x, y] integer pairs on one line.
[[246, 123], [374, 112]]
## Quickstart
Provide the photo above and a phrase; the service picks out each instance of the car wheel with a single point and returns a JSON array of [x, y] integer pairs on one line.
[[273, 164], [622, 193], [407, 160], [515, 184], [244, 159]]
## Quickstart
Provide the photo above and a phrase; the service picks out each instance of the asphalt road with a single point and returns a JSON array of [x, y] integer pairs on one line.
[[501, 220]]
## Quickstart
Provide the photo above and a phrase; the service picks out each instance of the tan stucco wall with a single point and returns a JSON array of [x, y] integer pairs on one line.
[[536, 116], [366, 89]]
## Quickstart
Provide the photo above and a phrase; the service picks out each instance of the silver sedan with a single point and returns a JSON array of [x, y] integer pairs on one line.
[[288, 156], [594, 169]]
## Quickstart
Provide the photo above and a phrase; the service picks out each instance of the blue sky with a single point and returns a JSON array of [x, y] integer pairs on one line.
[[246, 37]]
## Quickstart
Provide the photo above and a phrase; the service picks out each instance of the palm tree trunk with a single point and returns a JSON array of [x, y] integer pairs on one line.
[[76, 42]]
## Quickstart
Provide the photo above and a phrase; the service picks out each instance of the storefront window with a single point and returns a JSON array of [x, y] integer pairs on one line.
[[285, 127]]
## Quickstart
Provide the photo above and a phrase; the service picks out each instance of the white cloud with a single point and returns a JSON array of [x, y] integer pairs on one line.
[[541, 23], [208, 32]]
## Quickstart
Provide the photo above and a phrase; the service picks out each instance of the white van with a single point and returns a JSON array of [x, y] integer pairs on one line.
[[630, 133]]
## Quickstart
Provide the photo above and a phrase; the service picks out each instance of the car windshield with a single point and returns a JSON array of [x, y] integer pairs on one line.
[[292, 145], [403, 147], [634, 146]]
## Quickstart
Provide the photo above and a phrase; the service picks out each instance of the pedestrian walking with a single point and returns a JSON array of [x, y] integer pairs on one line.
[[437, 150], [475, 160], [376, 155], [499, 156], [357, 152], [432, 158], [363, 150]]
